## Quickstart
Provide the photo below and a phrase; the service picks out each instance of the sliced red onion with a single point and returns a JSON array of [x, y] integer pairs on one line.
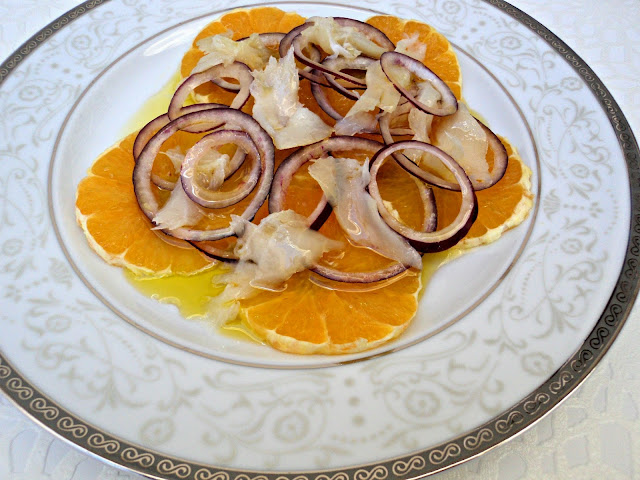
[[356, 287], [406, 163], [295, 40], [176, 242], [234, 165], [446, 105], [216, 199], [299, 45], [269, 39], [291, 164], [287, 40], [282, 179], [360, 277], [430, 211], [429, 224], [149, 130], [323, 102], [315, 54], [441, 239], [500, 158], [236, 70], [339, 64], [205, 120], [213, 250], [369, 31], [315, 77], [227, 85], [146, 132]]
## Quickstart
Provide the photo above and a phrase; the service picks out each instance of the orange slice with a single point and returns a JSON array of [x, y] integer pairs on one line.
[[327, 317], [501, 207], [439, 57], [308, 319], [116, 228]]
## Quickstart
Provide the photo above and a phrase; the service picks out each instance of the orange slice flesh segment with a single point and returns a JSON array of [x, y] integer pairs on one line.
[[108, 212]]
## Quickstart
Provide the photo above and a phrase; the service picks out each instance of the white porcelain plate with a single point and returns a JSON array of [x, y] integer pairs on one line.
[[501, 336]]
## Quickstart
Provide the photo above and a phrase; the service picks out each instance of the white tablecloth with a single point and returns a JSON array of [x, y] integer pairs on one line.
[[595, 434]]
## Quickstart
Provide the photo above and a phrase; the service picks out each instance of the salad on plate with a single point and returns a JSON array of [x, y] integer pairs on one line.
[[309, 175]]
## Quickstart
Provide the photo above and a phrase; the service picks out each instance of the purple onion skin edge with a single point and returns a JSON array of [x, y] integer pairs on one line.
[[402, 60], [208, 253], [470, 206], [322, 218], [451, 241], [360, 277]]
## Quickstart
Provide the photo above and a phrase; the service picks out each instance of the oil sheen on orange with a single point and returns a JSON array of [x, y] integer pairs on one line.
[[191, 294]]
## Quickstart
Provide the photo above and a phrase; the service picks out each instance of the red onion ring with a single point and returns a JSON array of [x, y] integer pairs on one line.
[[430, 219], [312, 75], [212, 250], [235, 70], [438, 240], [447, 104], [500, 159], [356, 287], [282, 179], [287, 40], [215, 199], [149, 130], [297, 42], [306, 72], [406, 163], [429, 224], [291, 164], [205, 120], [323, 102], [360, 277], [299, 46], [269, 39], [339, 64], [386, 273], [176, 242], [156, 124]]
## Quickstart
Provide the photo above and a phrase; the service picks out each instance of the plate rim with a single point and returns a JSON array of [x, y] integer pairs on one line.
[[511, 422]]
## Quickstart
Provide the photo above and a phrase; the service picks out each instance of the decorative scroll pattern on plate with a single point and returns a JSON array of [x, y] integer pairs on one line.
[[98, 441], [177, 469], [42, 407], [132, 455], [402, 467], [69, 425], [379, 472], [439, 456], [206, 474]]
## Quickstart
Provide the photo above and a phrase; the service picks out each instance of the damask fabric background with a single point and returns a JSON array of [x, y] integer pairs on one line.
[[594, 434]]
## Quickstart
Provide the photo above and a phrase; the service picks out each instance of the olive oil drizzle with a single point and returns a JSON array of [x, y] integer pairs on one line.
[[191, 294]]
